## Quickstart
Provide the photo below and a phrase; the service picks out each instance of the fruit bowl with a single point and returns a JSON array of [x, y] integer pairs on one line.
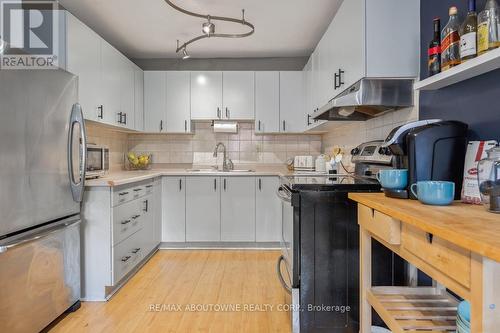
[[137, 161]]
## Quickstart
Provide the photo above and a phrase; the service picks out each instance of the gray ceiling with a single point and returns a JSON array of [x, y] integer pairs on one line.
[[150, 28]]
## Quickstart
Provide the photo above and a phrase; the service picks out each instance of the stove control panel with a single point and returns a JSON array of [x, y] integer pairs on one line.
[[371, 152]]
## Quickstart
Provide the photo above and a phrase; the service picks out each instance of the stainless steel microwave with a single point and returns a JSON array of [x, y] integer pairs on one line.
[[97, 161]]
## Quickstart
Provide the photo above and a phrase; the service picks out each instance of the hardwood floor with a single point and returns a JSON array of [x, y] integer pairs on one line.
[[207, 278]]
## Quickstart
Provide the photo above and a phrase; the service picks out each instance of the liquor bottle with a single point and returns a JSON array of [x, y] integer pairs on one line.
[[488, 27], [434, 51], [450, 41], [468, 36]]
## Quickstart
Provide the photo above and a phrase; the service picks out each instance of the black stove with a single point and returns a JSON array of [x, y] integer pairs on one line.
[[320, 245]]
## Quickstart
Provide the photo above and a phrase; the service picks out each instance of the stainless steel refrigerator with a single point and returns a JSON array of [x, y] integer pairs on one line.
[[42, 174]]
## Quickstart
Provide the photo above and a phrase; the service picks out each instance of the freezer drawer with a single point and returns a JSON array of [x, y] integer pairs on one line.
[[39, 275]]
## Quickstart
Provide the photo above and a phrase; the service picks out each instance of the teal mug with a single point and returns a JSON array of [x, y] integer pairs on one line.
[[393, 179], [437, 193]]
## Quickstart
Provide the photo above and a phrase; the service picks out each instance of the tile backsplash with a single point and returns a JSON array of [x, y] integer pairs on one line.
[[245, 147]]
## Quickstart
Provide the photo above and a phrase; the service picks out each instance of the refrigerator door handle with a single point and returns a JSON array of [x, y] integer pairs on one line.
[[30, 238], [77, 188]]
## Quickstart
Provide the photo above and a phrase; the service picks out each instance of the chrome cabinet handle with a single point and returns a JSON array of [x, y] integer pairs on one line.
[[125, 117], [134, 251], [76, 117], [280, 277], [31, 238], [126, 258], [258, 125], [135, 217], [309, 120], [185, 125], [180, 184], [284, 125], [227, 113], [260, 184], [149, 186], [218, 112], [122, 193], [146, 206], [161, 125], [125, 222], [224, 184], [215, 184], [137, 189]]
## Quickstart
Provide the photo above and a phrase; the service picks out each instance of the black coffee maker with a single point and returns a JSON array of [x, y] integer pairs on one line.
[[431, 149]]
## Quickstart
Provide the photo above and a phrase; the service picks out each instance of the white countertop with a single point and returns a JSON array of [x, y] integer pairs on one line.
[[116, 178]]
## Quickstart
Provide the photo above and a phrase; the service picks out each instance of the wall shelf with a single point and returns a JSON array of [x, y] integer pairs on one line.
[[483, 64], [419, 309]]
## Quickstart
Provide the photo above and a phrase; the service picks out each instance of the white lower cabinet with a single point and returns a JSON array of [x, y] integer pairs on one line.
[[174, 209], [120, 227], [238, 209], [202, 209], [268, 210]]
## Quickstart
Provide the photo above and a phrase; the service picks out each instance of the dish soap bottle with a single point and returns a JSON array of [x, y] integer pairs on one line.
[[468, 36], [488, 27], [450, 41]]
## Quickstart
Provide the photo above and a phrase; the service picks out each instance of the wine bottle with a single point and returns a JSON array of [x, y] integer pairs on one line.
[[468, 36], [450, 41], [434, 51], [488, 26]]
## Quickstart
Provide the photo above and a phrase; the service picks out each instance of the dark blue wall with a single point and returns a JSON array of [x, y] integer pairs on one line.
[[475, 101]]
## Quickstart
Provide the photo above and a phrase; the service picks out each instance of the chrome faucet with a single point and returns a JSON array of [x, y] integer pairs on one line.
[[227, 164]]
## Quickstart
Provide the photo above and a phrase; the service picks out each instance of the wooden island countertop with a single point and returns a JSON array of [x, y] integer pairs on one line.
[[468, 226]]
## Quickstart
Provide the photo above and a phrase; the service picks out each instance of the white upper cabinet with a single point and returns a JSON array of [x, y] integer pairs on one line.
[[84, 60], [366, 39], [267, 102], [292, 102], [139, 98], [206, 95], [106, 78], [238, 95], [155, 101], [127, 91], [178, 99]]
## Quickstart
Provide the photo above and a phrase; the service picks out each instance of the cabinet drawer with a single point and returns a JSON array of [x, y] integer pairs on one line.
[[126, 193], [446, 257], [126, 220], [126, 256], [385, 227]]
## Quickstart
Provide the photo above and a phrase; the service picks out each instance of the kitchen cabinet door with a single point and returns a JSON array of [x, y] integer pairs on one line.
[[347, 30], [111, 69], [84, 60], [238, 209], [267, 210], [292, 102], [155, 101], [206, 95], [267, 102], [138, 99], [238, 94], [178, 109], [174, 209], [127, 91], [202, 209]]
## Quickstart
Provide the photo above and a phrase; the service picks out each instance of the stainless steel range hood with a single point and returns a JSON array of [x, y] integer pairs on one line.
[[368, 98]]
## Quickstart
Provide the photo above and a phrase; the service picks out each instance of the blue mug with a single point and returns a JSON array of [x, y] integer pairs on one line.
[[438, 193], [393, 179]]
